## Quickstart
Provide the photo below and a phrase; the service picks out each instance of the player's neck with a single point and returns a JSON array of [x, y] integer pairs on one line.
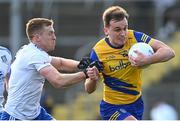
[[114, 45]]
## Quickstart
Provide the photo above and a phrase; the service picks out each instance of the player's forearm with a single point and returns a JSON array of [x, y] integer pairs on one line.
[[65, 80], [66, 65], [162, 55], [90, 85], [69, 65], [7, 83], [59, 80]]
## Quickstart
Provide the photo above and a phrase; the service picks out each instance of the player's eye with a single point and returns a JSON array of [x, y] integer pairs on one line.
[[117, 30]]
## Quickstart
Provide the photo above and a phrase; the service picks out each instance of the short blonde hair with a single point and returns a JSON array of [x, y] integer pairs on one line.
[[35, 25], [114, 12]]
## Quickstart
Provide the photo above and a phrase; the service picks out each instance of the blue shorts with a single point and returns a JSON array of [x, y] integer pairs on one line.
[[0, 114], [42, 116], [120, 112]]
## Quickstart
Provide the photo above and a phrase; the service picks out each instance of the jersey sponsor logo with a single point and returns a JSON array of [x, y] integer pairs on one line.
[[121, 65]]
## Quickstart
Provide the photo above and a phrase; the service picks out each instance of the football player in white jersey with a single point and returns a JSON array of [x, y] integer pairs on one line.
[[31, 67], [5, 62]]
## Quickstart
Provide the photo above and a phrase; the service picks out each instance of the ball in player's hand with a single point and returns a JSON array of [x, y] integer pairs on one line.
[[144, 48]]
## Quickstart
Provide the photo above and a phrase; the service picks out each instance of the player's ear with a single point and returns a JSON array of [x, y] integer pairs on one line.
[[36, 36], [106, 31]]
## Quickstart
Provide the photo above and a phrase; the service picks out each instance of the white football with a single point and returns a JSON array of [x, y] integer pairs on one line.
[[144, 48]]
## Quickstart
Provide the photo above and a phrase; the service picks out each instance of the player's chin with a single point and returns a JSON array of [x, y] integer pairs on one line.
[[121, 43], [51, 49], [53, 46]]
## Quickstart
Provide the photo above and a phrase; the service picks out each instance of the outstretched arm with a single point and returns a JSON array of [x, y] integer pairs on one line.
[[61, 80], [91, 82], [63, 64]]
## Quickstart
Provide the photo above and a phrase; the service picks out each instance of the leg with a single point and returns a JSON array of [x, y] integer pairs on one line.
[[130, 118]]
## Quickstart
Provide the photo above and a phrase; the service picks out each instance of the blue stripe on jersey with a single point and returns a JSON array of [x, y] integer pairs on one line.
[[93, 55], [148, 39], [141, 37], [118, 85], [109, 43], [117, 81]]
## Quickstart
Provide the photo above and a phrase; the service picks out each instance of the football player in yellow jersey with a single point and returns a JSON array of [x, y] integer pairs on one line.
[[122, 97]]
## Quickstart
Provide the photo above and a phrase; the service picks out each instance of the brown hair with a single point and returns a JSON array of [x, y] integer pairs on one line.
[[114, 12], [35, 25]]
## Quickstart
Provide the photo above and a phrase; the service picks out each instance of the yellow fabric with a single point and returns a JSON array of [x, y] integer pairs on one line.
[[117, 65]]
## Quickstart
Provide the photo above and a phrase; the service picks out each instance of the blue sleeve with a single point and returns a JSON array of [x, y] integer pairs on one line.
[[141, 37], [93, 55]]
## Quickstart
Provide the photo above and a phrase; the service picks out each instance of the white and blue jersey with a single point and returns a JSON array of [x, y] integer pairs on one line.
[[5, 62], [26, 83]]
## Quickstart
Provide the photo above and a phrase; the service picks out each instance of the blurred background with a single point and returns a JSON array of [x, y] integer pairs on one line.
[[78, 27]]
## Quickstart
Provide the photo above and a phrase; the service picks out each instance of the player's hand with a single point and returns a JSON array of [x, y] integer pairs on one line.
[[138, 61], [98, 65], [93, 73], [84, 63]]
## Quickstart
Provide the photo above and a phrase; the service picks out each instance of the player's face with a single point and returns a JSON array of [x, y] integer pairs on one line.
[[48, 38], [117, 32]]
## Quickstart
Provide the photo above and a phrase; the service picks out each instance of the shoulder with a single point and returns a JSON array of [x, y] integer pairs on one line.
[[31, 54], [31, 50], [5, 54], [5, 50], [100, 44], [139, 36]]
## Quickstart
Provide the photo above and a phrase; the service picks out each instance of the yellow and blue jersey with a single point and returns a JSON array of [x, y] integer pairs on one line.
[[122, 82]]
